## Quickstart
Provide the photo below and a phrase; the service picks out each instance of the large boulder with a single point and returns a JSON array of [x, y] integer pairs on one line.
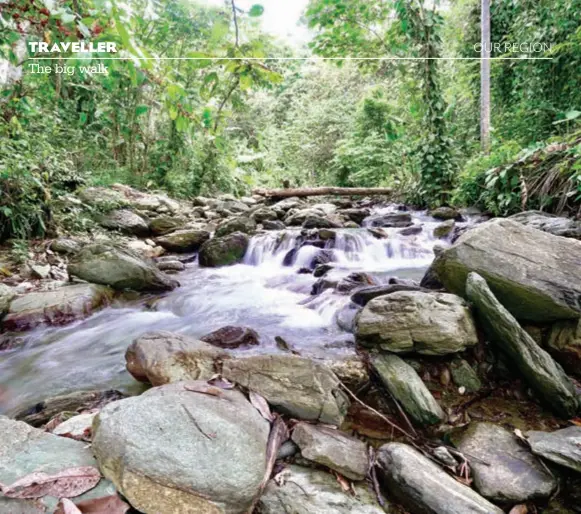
[[556, 225], [295, 385], [243, 224], [535, 275], [309, 491], [65, 245], [58, 307], [103, 198], [538, 367], [162, 357], [445, 213], [25, 450], [264, 214], [563, 447], [416, 321], [187, 240], [223, 251], [119, 268], [173, 449], [125, 221], [364, 295], [333, 449], [425, 488], [503, 469], [165, 224], [405, 385]]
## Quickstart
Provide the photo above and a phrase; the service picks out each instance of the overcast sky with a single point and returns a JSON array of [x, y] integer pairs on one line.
[[280, 16]]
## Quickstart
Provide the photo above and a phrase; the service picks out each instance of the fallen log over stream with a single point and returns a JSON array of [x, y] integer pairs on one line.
[[321, 191]]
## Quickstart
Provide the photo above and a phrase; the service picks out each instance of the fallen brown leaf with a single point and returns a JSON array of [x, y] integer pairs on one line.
[[66, 506], [519, 509], [205, 389], [576, 421], [104, 505], [67, 483], [220, 382], [261, 405], [345, 484]]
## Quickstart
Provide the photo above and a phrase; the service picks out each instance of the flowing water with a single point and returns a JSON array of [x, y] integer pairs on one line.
[[265, 292]]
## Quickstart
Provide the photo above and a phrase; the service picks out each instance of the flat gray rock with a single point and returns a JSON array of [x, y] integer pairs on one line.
[[556, 225], [425, 488], [538, 367], [535, 275], [333, 449], [562, 447], [415, 321], [308, 491], [125, 221], [408, 389], [24, 450], [176, 450], [295, 385], [513, 473]]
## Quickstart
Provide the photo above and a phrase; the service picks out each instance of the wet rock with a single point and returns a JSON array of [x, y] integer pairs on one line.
[[58, 307], [411, 231], [465, 376], [223, 251], [322, 284], [563, 342], [356, 215], [207, 455], [65, 246], [353, 281], [346, 317], [430, 279], [119, 268], [295, 385], [273, 225], [187, 240], [125, 221], [24, 450], [333, 449], [556, 225], [308, 491], [415, 321], [444, 229], [323, 256], [378, 233], [539, 369], [7, 293], [232, 337], [423, 487], [445, 213], [535, 275], [162, 357], [405, 385], [513, 474], [363, 296], [42, 412], [163, 225], [314, 221], [326, 234], [171, 266], [264, 214], [240, 224], [392, 219], [563, 447], [321, 270]]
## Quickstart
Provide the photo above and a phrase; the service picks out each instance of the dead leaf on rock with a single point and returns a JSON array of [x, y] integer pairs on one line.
[[220, 382], [345, 484], [261, 405], [205, 389], [576, 421], [104, 505], [66, 506], [519, 509], [67, 483]]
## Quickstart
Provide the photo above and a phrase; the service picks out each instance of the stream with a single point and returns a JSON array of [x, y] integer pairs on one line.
[[261, 293]]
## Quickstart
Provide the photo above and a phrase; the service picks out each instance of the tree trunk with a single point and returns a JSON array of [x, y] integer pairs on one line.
[[321, 191], [485, 77]]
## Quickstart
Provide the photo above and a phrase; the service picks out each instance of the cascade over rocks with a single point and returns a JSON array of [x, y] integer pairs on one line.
[[416, 321], [535, 275], [512, 473], [294, 385], [163, 357], [423, 487], [25, 450], [177, 450], [223, 251], [119, 268], [539, 369], [405, 385], [185, 240], [58, 307], [125, 221], [309, 491]]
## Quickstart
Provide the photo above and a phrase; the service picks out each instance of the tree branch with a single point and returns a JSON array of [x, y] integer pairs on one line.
[[226, 98], [235, 20]]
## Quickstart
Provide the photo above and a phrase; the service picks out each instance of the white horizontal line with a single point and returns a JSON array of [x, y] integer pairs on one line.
[[262, 59]]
